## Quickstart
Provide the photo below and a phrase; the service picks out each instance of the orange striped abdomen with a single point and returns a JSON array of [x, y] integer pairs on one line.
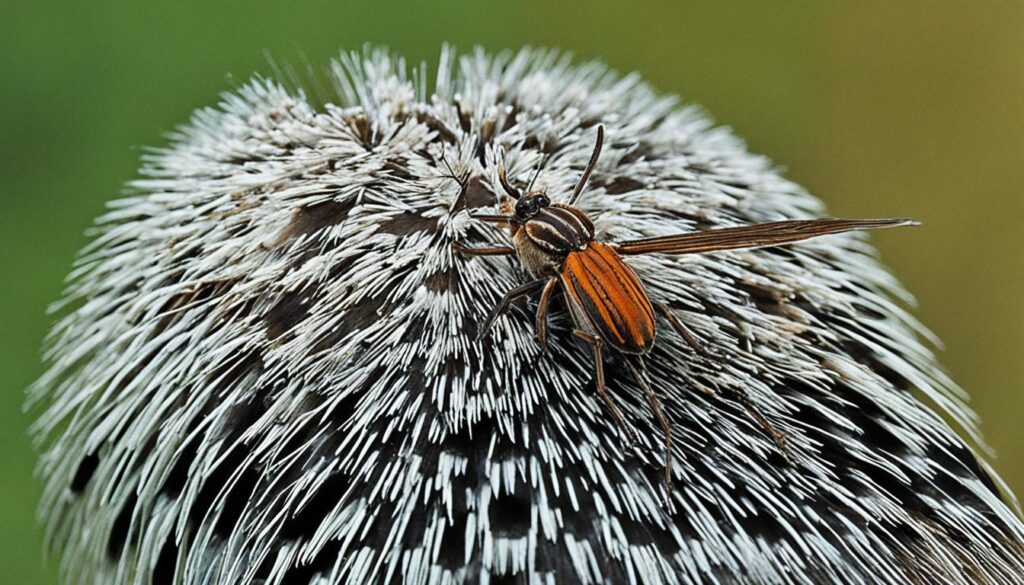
[[606, 298]]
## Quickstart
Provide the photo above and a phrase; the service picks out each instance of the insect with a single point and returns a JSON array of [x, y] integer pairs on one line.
[[609, 307]]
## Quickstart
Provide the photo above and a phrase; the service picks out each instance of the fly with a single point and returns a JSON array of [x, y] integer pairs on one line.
[[609, 306]]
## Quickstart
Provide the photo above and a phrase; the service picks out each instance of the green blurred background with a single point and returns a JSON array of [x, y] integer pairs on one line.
[[880, 108]]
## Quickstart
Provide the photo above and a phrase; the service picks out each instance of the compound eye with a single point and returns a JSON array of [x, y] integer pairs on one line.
[[543, 201]]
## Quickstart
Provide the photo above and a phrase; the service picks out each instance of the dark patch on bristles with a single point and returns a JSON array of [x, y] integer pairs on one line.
[[866, 357], [231, 371], [733, 183], [512, 115], [414, 331], [86, 468], [465, 116], [442, 281], [478, 195], [163, 571], [520, 578], [620, 185], [453, 540], [212, 485], [454, 367], [466, 441], [640, 534], [408, 223], [306, 454], [313, 218], [488, 128], [768, 300], [473, 195], [118, 539], [322, 563], [510, 513], [356, 318], [950, 456], [549, 146], [300, 524], [290, 310], [399, 167], [231, 463], [178, 476], [444, 133], [305, 521], [237, 159], [641, 150], [360, 126], [235, 501], [266, 565]]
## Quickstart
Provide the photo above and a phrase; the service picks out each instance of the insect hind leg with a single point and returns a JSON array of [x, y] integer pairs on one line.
[[777, 436], [596, 343], [659, 414]]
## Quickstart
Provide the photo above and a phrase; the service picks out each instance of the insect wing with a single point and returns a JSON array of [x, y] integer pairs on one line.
[[761, 235], [605, 291]]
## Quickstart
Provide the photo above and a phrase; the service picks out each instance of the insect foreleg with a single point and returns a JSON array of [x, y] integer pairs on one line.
[[490, 251], [506, 301], [462, 179], [596, 343], [542, 313]]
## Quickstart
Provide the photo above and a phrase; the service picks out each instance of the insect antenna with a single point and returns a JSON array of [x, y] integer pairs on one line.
[[536, 173], [590, 167], [509, 189], [512, 191]]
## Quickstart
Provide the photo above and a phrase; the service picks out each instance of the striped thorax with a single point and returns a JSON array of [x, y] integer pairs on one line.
[[603, 294], [544, 233]]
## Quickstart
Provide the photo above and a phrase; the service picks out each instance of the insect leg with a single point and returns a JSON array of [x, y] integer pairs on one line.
[[596, 343], [659, 414], [489, 218], [778, 437], [465, 252], [680, 328], [506, 301], [462, 180], [542, 313]]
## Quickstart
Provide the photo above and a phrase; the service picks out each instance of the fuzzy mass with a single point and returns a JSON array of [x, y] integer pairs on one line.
[[265, 368]]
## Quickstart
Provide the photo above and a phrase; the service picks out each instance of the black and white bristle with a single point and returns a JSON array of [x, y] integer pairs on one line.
[[266, 369]]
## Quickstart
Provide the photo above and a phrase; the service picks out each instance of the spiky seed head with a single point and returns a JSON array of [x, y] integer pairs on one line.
[[265, 369]]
